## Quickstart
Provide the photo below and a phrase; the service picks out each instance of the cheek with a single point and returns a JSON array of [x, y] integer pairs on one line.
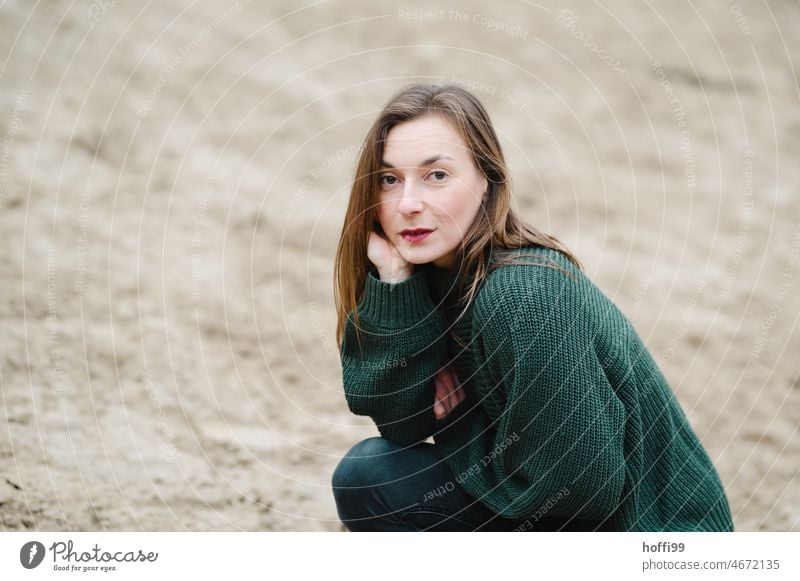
[[460, 208], [383, 214]]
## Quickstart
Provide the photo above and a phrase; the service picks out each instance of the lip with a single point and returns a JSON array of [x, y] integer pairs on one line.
[[414, 235]]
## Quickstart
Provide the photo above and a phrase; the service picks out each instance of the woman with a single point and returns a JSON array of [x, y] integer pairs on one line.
[[459, 321]]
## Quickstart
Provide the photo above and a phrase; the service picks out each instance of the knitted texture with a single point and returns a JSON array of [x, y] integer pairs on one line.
[[567, 422]]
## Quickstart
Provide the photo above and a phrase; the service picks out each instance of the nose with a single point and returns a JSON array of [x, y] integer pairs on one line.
[[410, 202]]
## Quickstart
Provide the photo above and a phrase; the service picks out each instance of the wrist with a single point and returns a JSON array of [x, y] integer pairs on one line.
[[397, 270], [395, 276]]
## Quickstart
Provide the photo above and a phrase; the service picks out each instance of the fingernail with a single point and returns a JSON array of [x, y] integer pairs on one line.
[[438, 409]]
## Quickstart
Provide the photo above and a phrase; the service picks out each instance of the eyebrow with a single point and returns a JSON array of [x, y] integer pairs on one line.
[[429, 161]]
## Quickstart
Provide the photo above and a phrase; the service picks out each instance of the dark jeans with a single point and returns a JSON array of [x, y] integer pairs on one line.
[[382, 486]]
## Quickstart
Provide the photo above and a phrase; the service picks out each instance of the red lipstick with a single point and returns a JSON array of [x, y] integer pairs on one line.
[[415, 235]]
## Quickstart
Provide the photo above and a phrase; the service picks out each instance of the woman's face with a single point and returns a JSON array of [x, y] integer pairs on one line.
[[430, 190]]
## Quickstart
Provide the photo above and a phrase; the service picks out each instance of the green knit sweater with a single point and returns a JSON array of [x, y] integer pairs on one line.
[[568, 424]]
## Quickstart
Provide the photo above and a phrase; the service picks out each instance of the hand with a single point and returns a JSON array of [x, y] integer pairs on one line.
[[448, 392], [384, 255]]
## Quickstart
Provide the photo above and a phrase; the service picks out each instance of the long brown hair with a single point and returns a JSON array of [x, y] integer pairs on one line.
[[496, 227]]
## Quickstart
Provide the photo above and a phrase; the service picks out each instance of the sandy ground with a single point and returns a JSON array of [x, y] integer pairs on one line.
[[173, 179]]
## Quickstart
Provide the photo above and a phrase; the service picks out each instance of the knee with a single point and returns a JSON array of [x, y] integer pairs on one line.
[[360, 466], [359, 482]]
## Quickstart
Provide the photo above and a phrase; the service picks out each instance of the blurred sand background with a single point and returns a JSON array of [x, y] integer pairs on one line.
[[173, 178]]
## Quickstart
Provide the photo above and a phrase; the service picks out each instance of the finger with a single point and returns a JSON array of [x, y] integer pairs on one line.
[[447, 377], [444, 400], [450, 380], [439, 409], [441, 403], [445, 381], [441, 388], [452, 401], [452, 387], [457, 396]]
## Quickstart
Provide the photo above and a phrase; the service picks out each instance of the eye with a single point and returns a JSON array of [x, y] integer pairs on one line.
[[439, 175], [390, 177]]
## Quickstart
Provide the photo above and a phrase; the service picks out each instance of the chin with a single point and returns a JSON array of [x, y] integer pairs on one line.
[[418, 258], [417, 261]]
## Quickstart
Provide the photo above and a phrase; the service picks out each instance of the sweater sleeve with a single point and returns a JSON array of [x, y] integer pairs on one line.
[[560, 437], [389, 377]]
